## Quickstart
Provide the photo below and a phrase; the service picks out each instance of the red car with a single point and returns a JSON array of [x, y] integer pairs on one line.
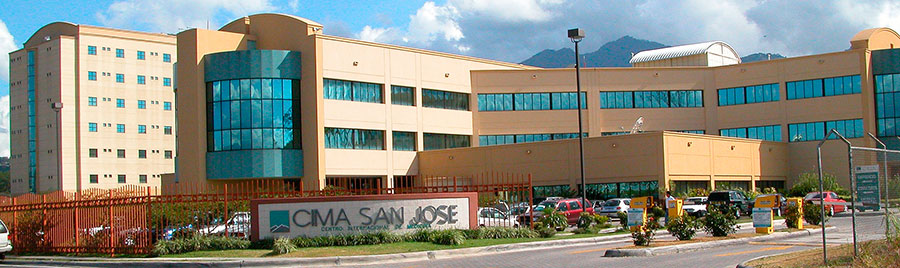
[[836, 203], [570, 207]]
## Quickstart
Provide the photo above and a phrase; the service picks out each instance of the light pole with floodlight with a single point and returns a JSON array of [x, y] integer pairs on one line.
[[577, 35]]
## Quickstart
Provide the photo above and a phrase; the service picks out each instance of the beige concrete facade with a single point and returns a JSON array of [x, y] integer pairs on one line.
[[653, 156], [711, 117], [61, 74], [329, 57]]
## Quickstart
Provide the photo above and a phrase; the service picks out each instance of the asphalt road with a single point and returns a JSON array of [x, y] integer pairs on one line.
[[870, 226]]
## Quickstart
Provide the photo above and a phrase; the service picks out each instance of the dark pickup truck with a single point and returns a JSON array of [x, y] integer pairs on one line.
[[734, 199]]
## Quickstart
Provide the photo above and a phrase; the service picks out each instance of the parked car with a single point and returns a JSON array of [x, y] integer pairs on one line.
[[612, 207], [493, 217], [695, 206], [571, 208], [830, 197], [237, 226], [519, 209], [5, 245], [733, 199], [779, 207], [598, 204]]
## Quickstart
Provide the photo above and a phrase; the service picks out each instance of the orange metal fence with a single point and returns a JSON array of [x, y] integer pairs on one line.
[[131, 219]]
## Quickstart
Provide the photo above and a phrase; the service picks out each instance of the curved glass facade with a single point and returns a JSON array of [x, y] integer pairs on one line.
[[250, 114]]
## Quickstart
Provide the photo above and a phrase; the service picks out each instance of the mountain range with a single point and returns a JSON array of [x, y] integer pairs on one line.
[[612, 54]]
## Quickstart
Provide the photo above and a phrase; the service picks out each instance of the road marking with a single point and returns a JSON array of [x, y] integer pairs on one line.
[[785, 244], [753, 251], [589, 250]]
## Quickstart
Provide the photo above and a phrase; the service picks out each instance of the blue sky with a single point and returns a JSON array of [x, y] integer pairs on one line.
[[507, 30]]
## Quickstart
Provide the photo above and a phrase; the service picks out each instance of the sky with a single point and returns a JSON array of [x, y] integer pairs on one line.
[[506, 30]]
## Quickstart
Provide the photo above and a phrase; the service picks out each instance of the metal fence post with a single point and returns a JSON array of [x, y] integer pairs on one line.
[[75, 220], [109, 215], [886, 177], [852, 199], [226, 210]]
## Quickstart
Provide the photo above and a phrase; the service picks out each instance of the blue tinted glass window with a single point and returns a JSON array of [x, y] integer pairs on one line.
[[141, 80], [352, 91], [167, 57], [92, 127], [142, 129], [358, 139], [249, 114], [435, 141], [120, 128], [141, 55], [167, 106], [120, 103], [167, 81], [92, 50], [92, 75], [830, 86], [404, 141], [120, 78], [92, 101], [445, 100], [401, 95], [142, 104], [120, 53]]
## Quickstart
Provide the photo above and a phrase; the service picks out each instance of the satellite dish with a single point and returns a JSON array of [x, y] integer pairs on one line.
[[638, 125]]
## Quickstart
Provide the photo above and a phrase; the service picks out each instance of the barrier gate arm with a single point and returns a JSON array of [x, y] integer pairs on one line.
[[822, 189]]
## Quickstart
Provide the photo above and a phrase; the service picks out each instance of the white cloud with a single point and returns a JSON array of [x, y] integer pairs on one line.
[[175, 15], [7, 44], [294, 5], [513, 30], [4, 126]]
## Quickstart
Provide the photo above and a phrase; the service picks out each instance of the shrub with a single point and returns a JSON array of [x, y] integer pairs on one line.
[[809, 182], [644, 236], [682, 228], [448, 237], [623, 220], [553, 219], [698, 192], [545, 232], [355, 239], [499, 233], [591, 223], [657, 212], [720, 220], [283, 246], [812, 214], [29, 231], [262, 244], [791, 215], [197, 243]]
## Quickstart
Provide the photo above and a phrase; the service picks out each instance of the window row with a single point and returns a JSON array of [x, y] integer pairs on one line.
[[749, 94], [120, 53], [358, 139], [852, 128], [823, 87], [617, 133], [252, 139], [120, 153], [435, 141], [120, 128], [767, 133], [246, 114], [121, 178], [445, 100], [486, 140], [352, 91], [401, 95], [252, 89], [530, 101], [651, 99], [141, 104], [141, 79]]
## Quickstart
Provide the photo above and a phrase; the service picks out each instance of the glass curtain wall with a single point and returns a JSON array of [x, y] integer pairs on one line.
[[251, 114]]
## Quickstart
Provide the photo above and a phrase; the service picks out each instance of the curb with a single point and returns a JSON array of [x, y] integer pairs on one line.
[[319, 261], [705, 245]]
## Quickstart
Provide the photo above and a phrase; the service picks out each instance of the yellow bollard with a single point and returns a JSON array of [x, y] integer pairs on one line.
[[674, 207]]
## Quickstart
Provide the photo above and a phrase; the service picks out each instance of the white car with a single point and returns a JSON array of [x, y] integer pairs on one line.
[[695, 206], [612, 207], [237, 226], [5, 245], [493, 217]]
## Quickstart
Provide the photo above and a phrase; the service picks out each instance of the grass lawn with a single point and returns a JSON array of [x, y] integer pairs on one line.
[[872, 254], [401, 247]]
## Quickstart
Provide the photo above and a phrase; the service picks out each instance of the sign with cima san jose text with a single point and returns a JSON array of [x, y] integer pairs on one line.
[[323, 216]]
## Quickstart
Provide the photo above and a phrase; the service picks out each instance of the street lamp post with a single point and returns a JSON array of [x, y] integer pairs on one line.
[[576, 35], [57, 107]]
